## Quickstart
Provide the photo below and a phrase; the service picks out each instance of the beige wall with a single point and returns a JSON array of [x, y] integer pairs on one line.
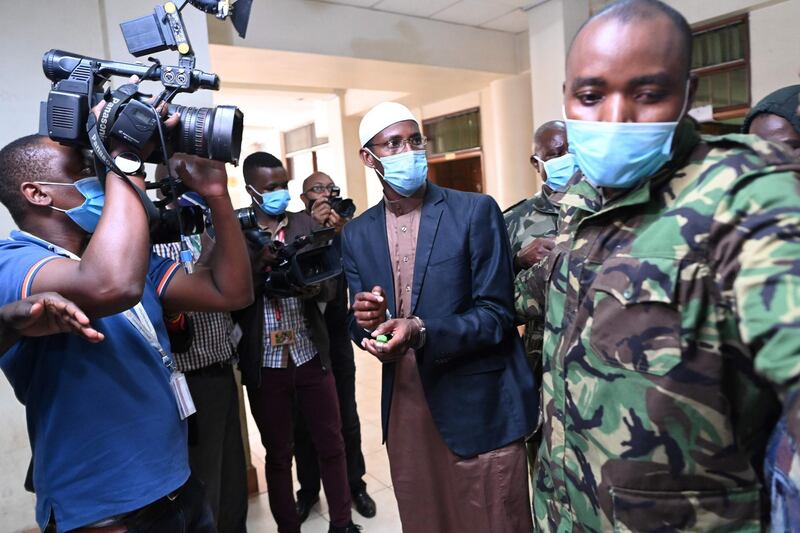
[[774, 47]]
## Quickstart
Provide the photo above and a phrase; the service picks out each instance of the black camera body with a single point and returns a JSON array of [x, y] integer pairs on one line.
[[344, 207], [307, 261]]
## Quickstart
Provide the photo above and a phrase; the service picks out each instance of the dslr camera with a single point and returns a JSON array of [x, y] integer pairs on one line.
[[344, 207]]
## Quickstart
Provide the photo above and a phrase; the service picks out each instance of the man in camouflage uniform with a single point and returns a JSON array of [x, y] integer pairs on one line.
[[672, 307], [531, 224]]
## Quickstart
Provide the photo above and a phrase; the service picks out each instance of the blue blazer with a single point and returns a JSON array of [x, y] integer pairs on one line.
[[478, 383]]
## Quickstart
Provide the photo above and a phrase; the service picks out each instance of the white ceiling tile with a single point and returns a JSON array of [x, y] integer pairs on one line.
[[417, 8], [514, 22], [473, 12]]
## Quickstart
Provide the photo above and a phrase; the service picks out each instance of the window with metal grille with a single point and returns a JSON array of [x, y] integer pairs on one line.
[[453, 133], [721, 62]]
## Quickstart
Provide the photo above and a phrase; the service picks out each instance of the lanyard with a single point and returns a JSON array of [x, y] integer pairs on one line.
[[139, 320]]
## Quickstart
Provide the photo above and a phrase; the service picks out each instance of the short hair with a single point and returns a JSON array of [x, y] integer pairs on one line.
[[259, 160], [627, 11], [556, 125], [24, 159]]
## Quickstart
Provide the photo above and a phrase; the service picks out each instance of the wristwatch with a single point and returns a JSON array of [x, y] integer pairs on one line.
[[129, 163], [422, 331]]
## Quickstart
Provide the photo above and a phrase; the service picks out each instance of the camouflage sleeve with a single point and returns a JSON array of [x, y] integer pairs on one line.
[[755, 236], [529, 290]]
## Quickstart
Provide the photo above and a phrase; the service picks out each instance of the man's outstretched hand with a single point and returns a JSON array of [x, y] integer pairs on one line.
[[43, 314]]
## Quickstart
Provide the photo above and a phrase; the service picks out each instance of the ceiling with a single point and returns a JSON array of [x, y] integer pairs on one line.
[[502, 15]]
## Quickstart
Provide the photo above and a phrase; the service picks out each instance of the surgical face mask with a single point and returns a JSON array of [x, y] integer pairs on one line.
[[621, 154], [86, 215], [559, 170], [404, 172], [272, 203]]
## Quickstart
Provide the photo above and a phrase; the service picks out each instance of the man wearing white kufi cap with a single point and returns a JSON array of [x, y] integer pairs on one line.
[[431, 282]]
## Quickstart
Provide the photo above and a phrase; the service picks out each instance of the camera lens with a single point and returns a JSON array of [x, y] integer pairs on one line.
[[210, 132], [247, 218]]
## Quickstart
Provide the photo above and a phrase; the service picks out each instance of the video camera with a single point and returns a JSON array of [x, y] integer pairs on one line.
[[130, 116], [213, 133], [344, 207], [307, 261]]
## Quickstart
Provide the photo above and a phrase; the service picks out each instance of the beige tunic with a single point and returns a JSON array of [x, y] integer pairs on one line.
[[436, 491]]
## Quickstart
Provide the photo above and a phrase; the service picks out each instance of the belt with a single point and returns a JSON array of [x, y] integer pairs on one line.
[[214, 369]]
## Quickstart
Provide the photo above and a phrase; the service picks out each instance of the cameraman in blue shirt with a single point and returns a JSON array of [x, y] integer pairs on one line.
[[106, 420]]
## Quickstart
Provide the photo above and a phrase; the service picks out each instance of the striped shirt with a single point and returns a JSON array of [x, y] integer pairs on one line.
[[211, 340]]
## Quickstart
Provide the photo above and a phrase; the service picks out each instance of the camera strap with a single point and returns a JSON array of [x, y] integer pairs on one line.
[[107, 164]]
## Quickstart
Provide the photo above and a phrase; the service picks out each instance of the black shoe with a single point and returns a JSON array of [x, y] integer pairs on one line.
[[363, 503], [349, 528], [304, 506]]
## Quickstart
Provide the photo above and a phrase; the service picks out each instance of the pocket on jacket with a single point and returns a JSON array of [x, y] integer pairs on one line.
[[736, 509], [636, 323], [481, 366]]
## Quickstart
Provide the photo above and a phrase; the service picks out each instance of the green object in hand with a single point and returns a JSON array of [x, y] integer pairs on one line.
[[383, 339]]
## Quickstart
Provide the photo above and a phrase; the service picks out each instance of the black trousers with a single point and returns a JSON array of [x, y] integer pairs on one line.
[[344, 371], [217, 454]]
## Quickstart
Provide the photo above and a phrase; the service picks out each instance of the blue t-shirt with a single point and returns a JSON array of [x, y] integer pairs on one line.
[[103, 423]]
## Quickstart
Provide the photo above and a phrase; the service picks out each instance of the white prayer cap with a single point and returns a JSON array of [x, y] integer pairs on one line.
[[381, 117]]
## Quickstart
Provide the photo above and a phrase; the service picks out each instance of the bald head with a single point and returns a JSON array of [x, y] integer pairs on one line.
[[315, 187], [316, 178], [549, 142]]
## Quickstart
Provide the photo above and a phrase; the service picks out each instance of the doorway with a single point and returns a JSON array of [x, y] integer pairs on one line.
[[463, 172]]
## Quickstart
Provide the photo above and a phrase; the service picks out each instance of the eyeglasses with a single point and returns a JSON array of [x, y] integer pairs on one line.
[[319, 189], [395, 146]]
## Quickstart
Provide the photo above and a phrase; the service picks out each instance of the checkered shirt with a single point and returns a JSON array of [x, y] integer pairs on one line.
[[211, 341], [290, 311]]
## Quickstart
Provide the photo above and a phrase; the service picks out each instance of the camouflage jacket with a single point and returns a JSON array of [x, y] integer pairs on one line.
[[528, 220], [672, 331]]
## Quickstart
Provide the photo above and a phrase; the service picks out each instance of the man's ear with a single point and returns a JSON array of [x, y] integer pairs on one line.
[[693, 84], [33, 193], [366, 158]]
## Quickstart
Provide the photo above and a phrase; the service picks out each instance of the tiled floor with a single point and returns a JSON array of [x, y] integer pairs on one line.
[[379, 484]]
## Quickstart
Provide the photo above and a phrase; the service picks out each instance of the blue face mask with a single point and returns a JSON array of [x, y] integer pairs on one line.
[[620, 154], [404, 172], [273, 203], [559, 170], [86, 215]]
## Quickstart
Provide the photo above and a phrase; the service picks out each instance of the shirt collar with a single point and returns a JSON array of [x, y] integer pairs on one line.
[[24, 236]]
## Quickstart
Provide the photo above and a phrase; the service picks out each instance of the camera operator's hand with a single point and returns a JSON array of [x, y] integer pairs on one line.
[[336, 221], [405, 333], [321, 212], [534, 252], [369, 308], [117, 147], [206, 177]]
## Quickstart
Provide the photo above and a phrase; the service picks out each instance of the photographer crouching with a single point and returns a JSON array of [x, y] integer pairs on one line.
[[284, 353], [107, 420], [322, 199]]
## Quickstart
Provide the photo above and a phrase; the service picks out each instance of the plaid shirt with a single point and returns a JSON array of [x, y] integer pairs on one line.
[[211, 341], [286, 314]]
